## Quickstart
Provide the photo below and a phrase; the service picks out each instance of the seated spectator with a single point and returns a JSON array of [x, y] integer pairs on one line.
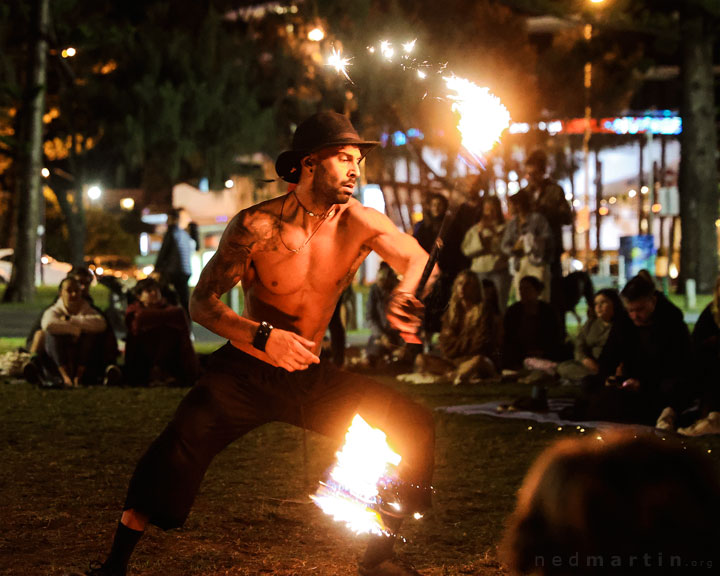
[[645, 368], [470, 336], [72, 329], [706, 344], [384, 339], [158, 347], [531, 327], [528, 240], [102, 365], [618, 506], [592, 336], [483, 244]]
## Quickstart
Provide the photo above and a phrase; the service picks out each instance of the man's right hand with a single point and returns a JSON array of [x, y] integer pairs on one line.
[[290, 351]]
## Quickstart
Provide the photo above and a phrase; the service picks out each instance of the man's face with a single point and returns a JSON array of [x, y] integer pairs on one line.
[[150, 297], [641, 311], [535, 173], [335, 174], [528, 292], [437, 208], [184, 219], [85, 281]]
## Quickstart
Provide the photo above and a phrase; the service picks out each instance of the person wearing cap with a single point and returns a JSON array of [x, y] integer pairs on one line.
[[294, 255]]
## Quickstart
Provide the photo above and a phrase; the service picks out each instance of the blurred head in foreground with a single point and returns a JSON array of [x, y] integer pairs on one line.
[[617, 505]]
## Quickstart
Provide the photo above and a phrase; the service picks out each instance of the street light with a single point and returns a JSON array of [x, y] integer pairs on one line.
[[316, 34], [94, 192]]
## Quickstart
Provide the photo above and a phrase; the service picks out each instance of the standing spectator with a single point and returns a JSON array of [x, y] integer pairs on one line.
[[158, 340], [427, 229], [173, 260], [706, 343], [71, 329], [483, 244], [547, 197], [528, 240], [530, 327], [384, 339], [646, 365], [425, 232]]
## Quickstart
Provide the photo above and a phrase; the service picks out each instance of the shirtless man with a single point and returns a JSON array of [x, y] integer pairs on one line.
[[294, 255]]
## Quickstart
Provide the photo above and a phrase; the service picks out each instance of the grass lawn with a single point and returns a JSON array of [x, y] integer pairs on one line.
[[67, 457]]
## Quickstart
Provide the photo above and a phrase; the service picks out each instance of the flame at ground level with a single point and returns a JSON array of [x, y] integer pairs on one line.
[[350, 494]]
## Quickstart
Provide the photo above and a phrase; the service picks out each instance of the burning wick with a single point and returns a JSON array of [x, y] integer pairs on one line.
[[350, 494], [483, 118]]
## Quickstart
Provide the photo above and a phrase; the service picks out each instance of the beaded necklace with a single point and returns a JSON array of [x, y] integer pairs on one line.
[[322, 217]]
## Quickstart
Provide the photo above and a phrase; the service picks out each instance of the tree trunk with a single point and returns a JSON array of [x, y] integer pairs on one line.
[[22, 282], [698, 170]]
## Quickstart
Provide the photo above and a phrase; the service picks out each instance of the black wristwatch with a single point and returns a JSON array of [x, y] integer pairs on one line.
[[262, 335]]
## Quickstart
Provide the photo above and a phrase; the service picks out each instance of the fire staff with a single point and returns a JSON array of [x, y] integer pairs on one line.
[[294, 255]]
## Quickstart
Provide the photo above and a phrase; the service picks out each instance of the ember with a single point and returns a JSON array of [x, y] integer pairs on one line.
[[364, 465]]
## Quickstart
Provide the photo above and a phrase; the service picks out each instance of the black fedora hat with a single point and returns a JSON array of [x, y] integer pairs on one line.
[[321, 130]]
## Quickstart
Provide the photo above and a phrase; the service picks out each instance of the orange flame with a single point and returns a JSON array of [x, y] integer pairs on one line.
[[483, 118], [350, 494]]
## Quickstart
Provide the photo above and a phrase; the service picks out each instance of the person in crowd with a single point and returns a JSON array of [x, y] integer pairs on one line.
[[173, 260], [337, 327], [71, 330], [706, 344], [591, 339], [101, 367], [384, 339], [623, 504], [470, 337], [546, 197], [530, 327], [646, 366], [483, 244], [158, 347], [425, 232], [528, 240]]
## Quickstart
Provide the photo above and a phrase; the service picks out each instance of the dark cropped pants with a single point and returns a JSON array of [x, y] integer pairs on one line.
[[239, 393]]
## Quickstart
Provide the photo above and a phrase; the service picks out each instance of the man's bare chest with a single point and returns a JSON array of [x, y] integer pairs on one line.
[[324, 265]]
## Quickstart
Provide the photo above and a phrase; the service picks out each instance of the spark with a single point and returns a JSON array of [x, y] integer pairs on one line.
[[408, 46], [422, 75], [339, 62], [386, 49]]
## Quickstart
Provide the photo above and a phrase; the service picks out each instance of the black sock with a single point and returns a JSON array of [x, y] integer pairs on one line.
[[123, 545]]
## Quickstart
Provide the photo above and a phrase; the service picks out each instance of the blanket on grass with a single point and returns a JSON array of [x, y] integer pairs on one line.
[[551, 416]]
